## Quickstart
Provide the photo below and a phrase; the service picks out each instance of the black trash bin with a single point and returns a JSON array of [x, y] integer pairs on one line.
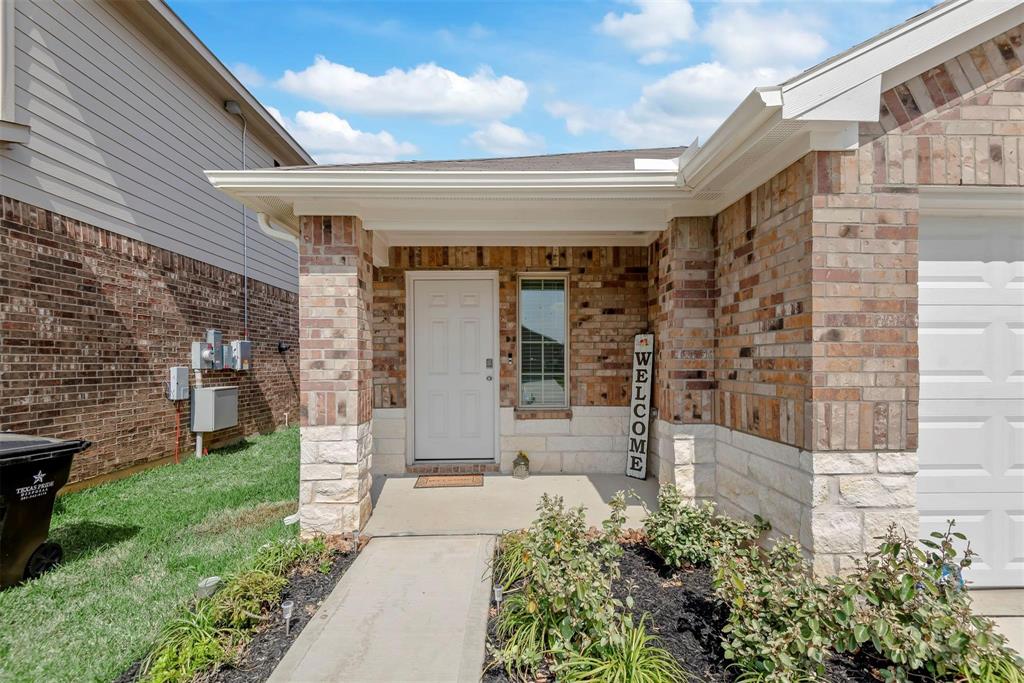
[[32, 470]]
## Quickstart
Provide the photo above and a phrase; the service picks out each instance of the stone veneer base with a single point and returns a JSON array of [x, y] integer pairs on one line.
[[835, 504], [592, 441], [335, 478]]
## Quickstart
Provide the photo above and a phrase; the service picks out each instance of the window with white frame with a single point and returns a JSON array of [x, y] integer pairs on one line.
[[543, 341]]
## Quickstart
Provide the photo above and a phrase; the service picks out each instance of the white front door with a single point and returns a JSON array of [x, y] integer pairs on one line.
[[455, 368], [972, 389]]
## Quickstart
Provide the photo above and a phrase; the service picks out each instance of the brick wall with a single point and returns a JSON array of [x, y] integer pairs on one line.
[[92, 320], [816, 270], [682, 315], [762, 314], [336, 289], [608, 291], [960, 123], [335, 293]]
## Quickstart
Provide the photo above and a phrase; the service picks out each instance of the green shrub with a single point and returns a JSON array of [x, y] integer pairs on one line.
[[188, 644], [631, 658], [776, 629], [560, 585], [684, 534], [905, 604], [244, 598], [213, 630]]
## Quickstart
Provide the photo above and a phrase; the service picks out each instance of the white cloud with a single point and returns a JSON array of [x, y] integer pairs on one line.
[[332, 140], [658, 25], [687, 103], [750, 49], [427, 90], [505, 140], [657, 57], [743, 38], [249, 75]]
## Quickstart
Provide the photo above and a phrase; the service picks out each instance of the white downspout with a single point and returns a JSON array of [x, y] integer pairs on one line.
[[267, 227]]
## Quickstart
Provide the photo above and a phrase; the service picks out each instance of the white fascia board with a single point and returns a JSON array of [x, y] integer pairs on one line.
[[321, 180], [495, 215], [859, 103], [752, 113], [960, 44], [483, 238], [943, 26]]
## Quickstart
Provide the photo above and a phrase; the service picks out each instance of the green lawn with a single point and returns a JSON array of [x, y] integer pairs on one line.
[[134, 550]]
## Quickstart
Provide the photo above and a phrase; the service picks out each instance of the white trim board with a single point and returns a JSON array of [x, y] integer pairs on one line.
[[972, 201], [467, 238], [411, 277]]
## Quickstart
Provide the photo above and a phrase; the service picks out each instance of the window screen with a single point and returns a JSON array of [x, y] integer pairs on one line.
[[542, 337]]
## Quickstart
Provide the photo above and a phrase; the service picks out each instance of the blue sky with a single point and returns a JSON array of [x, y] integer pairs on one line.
[[377, 81]]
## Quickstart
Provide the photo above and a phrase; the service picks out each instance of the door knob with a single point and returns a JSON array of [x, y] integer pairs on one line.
[[489, 378]]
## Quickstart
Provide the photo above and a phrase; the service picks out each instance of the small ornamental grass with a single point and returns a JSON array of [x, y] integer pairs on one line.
[[632, 658], [215, 629], [559, 609]]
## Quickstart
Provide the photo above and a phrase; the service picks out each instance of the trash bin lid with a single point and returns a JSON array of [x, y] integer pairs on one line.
[[29, 447]]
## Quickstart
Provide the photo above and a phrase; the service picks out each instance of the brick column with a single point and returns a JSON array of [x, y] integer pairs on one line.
[[862, 422], [684, 328], [336, 356]]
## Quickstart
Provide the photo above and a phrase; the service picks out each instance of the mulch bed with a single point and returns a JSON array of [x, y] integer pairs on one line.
[[687, 618], [308, 588], [269, 644]]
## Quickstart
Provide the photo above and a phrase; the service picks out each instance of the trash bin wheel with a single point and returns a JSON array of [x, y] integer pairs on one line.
[[46, 557]]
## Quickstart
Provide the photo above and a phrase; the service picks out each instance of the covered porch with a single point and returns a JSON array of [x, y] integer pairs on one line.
[[458, 313], [501, 504]]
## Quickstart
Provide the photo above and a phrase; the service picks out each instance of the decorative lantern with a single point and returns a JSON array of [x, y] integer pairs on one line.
[[521, 466]]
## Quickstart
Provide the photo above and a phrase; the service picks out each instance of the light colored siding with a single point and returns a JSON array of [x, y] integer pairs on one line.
[[121, 136]]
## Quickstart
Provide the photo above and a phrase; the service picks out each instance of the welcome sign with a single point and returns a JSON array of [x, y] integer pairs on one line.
[[640, 406]]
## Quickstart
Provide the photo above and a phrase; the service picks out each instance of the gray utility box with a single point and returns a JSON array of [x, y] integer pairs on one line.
[[238, 355], [177, 386], [214, 408]]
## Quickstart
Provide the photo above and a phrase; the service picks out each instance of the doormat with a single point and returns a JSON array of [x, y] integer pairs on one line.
[[442, 481]]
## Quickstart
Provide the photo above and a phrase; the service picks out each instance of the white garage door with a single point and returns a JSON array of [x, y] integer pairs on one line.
[[972, 388]]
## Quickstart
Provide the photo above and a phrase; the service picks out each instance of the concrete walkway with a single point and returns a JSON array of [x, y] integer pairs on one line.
[[1005, 606], [410, 609]]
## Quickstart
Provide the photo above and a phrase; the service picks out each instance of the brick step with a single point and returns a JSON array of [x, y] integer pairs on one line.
[[453, 468]]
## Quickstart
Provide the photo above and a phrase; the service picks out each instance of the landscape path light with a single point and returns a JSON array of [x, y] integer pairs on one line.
[[287, 608]]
